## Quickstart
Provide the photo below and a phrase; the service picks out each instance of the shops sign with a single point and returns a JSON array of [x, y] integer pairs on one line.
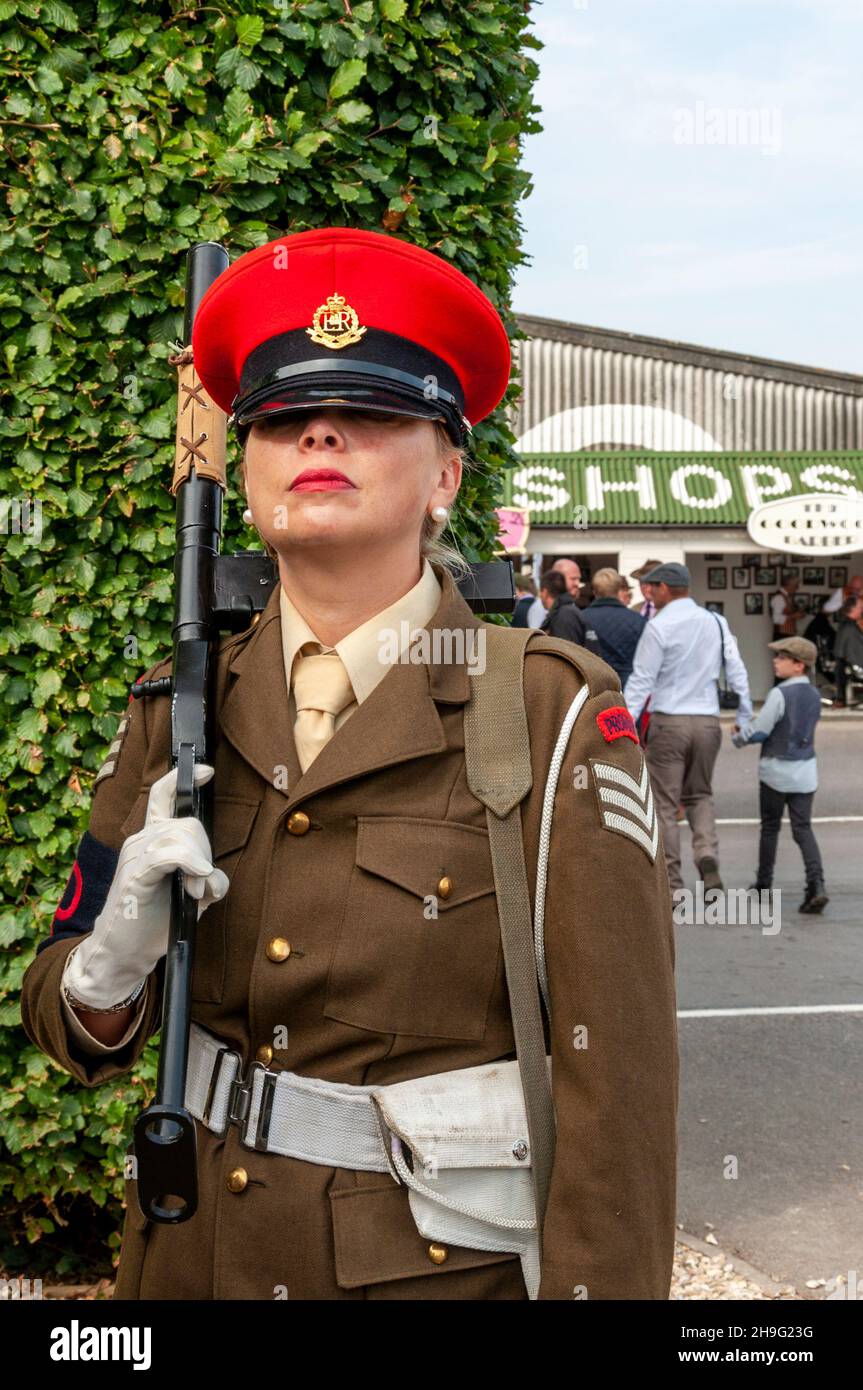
[[814, 524], [673, 489]]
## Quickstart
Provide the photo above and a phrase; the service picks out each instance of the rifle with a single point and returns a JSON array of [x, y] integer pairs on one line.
[[213, 593]]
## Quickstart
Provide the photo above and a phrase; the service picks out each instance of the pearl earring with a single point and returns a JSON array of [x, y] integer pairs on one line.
[[248, 518], [440, 513]]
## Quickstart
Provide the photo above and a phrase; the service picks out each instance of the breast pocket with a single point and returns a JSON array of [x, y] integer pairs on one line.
[[419, 941]]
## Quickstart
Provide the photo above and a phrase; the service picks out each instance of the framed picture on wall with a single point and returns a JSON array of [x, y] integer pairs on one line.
[[775, 559], [751, 560], [740, 577], [715, 605], [753, 604], [717, 578], [714, 558], [813, 574], [838, 577], [792, 572], [805, 601], [766, 576]]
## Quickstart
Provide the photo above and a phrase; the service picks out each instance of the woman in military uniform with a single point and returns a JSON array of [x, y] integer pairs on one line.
[[353, 364]]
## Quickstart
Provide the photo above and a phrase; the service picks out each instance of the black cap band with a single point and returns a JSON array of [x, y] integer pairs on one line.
[[383, 371]]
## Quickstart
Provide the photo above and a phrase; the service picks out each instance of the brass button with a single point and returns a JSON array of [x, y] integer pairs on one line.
[[278, 949], [298, 823], [444, 887], [264, 1054], [238, 1180], [438, 1253]]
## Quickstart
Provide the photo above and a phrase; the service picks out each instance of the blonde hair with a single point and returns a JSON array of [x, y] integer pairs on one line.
[[438, 552], [607, 583]]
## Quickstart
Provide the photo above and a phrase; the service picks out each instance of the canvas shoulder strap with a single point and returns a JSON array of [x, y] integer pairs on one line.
[[497, 757]]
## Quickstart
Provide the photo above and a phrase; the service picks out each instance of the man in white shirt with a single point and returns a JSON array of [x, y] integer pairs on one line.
[[836, 600], [677, 666]]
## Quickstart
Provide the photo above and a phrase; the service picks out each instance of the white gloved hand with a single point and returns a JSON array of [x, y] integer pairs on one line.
[[130, 935]]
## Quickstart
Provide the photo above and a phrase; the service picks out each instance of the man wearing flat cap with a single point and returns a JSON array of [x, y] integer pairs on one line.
[[359, 944], [678, 662]]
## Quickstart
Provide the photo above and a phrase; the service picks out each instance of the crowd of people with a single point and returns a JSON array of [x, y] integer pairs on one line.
[[679, 664]]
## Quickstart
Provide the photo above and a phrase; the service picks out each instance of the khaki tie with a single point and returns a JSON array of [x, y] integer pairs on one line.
[[322, 689]]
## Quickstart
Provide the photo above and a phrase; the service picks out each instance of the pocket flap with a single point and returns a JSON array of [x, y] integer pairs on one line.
[[376, 1239], [417, 854], [233, 818]]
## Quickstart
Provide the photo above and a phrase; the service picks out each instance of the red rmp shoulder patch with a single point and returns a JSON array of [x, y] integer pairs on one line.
[[616, 723]]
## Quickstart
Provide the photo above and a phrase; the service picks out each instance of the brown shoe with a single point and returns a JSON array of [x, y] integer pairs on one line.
[[709, 871]]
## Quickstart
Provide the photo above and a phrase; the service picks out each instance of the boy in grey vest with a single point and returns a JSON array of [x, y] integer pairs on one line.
[[788, 771]]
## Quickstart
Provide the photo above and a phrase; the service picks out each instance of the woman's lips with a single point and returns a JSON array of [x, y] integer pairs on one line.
[[325, 481], [323, 485]]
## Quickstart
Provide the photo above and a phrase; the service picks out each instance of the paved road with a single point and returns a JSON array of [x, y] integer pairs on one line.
[[781, 1093]]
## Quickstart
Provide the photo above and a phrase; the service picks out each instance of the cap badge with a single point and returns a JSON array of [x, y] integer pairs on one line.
[[335, 324]]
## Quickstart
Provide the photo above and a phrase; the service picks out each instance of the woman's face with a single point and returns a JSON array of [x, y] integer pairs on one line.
[[392, 474]]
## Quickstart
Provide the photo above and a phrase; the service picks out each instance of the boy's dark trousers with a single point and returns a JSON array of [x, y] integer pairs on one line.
[[772, 804]]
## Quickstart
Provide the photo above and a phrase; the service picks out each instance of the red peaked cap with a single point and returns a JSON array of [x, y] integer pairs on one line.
[[408, 333]]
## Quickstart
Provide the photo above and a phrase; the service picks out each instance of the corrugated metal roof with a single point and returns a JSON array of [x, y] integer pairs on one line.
[[594, 394], [644, 488]]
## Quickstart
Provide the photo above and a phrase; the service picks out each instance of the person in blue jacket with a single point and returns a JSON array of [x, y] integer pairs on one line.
[[788, 770], [617, 627]]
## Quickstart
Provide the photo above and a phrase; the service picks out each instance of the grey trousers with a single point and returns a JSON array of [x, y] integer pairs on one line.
[[681, 753]]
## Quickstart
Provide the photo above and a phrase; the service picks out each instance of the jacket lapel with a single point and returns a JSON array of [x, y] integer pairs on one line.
[[397, 722]]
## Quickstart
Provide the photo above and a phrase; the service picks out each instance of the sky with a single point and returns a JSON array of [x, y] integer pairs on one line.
[[700, 174]]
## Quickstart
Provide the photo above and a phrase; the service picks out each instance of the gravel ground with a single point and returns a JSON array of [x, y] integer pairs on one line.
[[699, 1275]]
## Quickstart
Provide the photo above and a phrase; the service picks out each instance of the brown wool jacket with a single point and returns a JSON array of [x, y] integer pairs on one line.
[[372, 993]]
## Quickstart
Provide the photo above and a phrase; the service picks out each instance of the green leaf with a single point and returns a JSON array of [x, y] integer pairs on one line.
[[393, 10], [250, 30], [350, 112], [346, 77], [311, 143], [53, 12], [79, 501], [39, 337], [47, 80], [120, 44], [247, 74], [46, 685], [237, 105], [175, 80]]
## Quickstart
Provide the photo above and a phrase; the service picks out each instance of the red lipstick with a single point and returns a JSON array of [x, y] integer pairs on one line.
[[320, 480]]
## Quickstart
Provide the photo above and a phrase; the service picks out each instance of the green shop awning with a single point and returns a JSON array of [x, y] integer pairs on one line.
[[644, 488]]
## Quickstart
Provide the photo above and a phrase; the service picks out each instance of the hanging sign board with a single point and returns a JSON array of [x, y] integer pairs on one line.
[[812, 524]]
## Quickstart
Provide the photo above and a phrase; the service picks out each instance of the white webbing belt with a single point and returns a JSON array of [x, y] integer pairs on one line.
[[328, 1122]]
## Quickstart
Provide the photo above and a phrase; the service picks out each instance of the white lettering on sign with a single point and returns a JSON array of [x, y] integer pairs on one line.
[[817, 475], [756, 492], [537, 491], [642, 483], [680, 492], [822, 524]]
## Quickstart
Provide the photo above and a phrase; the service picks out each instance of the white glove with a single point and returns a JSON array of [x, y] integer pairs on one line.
[[130, 935]]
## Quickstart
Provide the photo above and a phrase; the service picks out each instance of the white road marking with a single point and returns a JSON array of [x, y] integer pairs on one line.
[[816, 820], [778, 1009]]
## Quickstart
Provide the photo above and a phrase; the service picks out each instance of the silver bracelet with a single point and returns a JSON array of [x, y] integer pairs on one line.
[[113, 1009]]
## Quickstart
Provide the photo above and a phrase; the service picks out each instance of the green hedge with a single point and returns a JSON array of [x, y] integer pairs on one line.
[[131, 130]]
